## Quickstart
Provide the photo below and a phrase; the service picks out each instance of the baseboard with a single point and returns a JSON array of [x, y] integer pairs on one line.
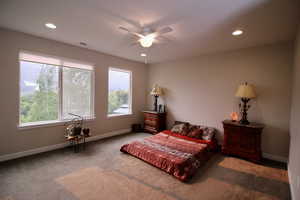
[[59, 146], [291, 183], [32, 151], [275, 157], [109, 134]]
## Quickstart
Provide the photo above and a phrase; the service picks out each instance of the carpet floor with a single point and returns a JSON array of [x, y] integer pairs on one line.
[[101, 171]]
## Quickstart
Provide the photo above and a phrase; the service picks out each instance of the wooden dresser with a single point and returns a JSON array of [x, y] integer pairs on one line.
[[154, 122], [242, 140]]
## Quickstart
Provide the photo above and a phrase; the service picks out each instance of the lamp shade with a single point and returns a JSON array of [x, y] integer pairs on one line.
[[245, 91], [156, 91]]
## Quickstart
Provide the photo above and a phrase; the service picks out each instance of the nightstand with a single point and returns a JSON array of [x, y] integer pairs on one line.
[[242, 140], [154, 122]]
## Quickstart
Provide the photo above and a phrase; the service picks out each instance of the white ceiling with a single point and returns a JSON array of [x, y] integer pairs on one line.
[[199, 26]]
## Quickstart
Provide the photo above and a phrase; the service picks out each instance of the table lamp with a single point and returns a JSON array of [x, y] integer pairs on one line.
[[245, 92], [156, 92]]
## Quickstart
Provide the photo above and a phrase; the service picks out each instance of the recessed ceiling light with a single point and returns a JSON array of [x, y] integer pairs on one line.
[[143, 54], [50, 25], [237, 32]]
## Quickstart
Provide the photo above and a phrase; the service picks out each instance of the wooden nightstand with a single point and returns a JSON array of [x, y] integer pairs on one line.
[[242, 140], [154, 122]]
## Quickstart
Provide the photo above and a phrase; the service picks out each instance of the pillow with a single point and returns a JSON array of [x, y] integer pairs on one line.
[[177, 128], [208, 133], [193, 127], [181, 128], [195, 133], [185, 129]]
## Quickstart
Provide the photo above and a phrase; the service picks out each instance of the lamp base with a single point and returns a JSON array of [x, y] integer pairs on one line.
[[245, 108], [155, 103], [245, 122]]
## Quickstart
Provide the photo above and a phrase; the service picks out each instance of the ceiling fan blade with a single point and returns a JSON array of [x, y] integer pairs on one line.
[[123, 28], [133, 33], [164, 30], [162, 40], [135, 43]]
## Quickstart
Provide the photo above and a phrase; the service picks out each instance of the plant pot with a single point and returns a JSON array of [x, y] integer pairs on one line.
[[77, 131]]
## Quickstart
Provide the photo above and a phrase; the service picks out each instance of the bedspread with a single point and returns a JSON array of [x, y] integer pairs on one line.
[[177, 156]]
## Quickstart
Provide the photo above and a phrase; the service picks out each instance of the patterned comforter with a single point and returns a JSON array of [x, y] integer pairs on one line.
[[177, 156]]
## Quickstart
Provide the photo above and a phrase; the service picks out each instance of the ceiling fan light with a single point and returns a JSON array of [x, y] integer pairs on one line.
[[147, 41]]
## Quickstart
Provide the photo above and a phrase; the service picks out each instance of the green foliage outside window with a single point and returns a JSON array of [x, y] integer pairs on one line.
[[42, 105], [116, 99]]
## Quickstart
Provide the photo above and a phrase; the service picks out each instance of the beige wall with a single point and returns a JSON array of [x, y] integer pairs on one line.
[[14, 140], [201, 90], [294, 161]]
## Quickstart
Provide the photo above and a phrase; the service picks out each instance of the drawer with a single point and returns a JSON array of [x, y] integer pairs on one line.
[[248, 142], [232, 129], [150, 128], [151, 119], [151, 115], [151, 122]]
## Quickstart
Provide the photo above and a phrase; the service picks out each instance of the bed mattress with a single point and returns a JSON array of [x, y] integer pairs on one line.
[[178, 156]]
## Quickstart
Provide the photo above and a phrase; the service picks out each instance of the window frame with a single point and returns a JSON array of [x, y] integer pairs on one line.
[[60, 120], [130, 92]]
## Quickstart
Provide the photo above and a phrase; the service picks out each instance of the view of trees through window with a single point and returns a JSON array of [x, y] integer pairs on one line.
[[40, 94], [119, 92]]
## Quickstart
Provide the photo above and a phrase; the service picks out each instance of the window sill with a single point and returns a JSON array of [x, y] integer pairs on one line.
[[48, 124], [119, 115]]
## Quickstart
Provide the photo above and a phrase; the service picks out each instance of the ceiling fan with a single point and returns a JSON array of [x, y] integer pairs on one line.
[[147, 35]]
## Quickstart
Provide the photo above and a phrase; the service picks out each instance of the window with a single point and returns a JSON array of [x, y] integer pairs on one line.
[[119, 92], [51, 88], [77, 92], [39, 92]]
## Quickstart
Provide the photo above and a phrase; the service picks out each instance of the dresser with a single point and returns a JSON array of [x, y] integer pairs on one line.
[[154, 122], [242, 140]]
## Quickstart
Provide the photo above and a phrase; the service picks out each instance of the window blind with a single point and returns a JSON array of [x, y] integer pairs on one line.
[[77, 65], [44, 59], [39, 59]]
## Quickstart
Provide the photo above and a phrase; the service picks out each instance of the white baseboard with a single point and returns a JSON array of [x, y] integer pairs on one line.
[[275, 157], [31, 152], [109, 134], [59, 146], [291, 183]]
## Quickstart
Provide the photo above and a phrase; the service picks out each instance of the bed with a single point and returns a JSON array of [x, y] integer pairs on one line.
[[176, 154]]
